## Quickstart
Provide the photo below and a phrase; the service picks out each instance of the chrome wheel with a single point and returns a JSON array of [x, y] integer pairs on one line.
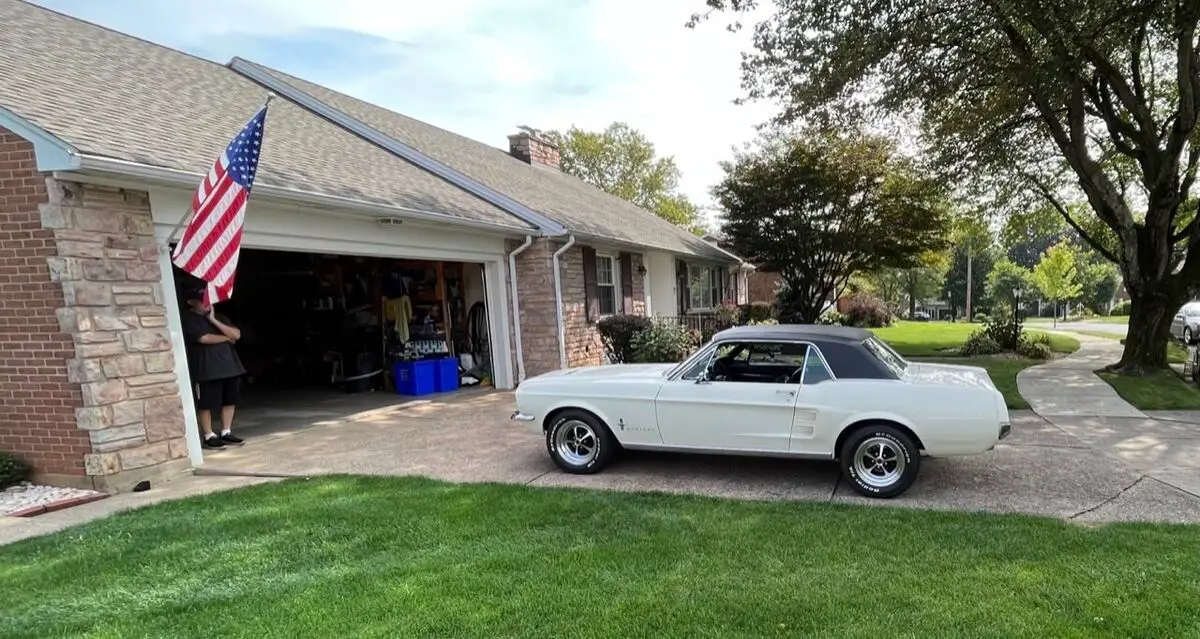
[[879, 462], [1187, 336], [576, 443]]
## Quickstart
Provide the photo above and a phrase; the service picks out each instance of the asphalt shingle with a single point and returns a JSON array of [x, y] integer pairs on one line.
[[112, 95]]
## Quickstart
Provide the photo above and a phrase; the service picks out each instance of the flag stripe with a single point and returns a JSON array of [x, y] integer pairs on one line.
[[207, 217]]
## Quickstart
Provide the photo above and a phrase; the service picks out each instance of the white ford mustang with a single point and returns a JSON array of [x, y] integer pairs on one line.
[[817, 392]]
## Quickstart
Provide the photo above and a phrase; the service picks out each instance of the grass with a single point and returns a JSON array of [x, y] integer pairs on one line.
[[1003, 372], [389, 557], [932, 339], [1163, 390], [1098, 319]]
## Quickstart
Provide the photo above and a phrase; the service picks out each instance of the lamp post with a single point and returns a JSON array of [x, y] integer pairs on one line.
[[1017, 305]]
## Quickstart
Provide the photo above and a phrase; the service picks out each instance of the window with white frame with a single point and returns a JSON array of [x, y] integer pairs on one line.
[[706, 286], [606, 284]]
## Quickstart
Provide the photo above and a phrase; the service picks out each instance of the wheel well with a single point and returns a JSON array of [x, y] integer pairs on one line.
[[559, 411], [856, 426]]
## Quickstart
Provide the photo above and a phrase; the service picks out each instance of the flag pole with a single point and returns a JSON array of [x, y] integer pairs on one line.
[[187, 214]]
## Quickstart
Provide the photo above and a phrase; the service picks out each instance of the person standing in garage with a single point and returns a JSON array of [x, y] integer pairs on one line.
[[215, 367]]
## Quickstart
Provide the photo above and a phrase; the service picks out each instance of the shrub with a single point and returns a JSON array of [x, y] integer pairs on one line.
[[1005, 330], [663, 342], [756, 312], [766, 322], [617, 333], [1120, 309], [13, 470], [981, 317], [980, 343], [1036, 338], [1034, 349], [832, 318], [867, 311]]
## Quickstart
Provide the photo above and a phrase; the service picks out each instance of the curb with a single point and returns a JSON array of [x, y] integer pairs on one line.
[[41, 509]]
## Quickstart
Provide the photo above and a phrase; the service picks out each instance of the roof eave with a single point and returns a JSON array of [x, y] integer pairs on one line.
[[50, 152], [174, 177], [643, 248], [543, 224]]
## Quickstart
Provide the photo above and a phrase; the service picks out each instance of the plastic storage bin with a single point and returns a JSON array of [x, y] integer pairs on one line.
[[417, 377], [447, 374]]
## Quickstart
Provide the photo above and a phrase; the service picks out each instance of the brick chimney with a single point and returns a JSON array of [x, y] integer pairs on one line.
[[532, 147]]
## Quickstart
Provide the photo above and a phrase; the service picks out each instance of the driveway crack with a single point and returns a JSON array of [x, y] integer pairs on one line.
[[833, 493], [1110, 499]]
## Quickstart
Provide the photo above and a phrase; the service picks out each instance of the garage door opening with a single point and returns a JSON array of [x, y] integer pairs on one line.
[[329, 337]]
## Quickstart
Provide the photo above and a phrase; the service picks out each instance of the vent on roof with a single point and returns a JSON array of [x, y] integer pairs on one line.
[[532, 147]]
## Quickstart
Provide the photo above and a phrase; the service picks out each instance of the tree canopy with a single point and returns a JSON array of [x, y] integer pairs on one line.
[[622, 161], [1073, 100], [818, 206], [1055, 276]]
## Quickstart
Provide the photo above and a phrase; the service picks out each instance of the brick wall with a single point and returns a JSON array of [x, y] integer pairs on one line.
[[107, 264], [38, 400], [539, 328]]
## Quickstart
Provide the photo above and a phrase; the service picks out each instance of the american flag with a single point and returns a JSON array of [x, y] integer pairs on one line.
[[213, 239]]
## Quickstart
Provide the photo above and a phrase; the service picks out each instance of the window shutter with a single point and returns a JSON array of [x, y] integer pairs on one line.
[[589, 284], [626, 282], [683, 282]]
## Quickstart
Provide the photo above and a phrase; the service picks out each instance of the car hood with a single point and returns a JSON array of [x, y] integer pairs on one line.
[[609, 371], [948, 375]]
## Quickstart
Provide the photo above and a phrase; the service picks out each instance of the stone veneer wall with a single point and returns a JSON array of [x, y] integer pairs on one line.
[[113, 309], [539, 328], [38, 399]]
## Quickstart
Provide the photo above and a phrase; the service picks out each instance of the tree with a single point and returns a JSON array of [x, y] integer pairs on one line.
[[1005, 280], [818, 206], [1098, 280], [1074, 99], [955, 288], [621, 161], [1055, 276], [909, 286]]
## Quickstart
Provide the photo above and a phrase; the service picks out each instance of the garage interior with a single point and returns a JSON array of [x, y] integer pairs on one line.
[[325, 337]]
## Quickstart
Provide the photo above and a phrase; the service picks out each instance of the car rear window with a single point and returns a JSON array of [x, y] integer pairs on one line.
[[885, 354]]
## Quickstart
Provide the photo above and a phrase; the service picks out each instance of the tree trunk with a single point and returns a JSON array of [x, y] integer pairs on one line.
[[1054, 324], [1149, 332]]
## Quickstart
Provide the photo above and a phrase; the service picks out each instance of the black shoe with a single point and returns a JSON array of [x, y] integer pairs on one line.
[[212, 441], [231, 438]]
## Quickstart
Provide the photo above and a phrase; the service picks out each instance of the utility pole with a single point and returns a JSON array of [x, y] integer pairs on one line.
[[970, 317]]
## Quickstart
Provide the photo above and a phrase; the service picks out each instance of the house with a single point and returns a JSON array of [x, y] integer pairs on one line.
[[103, 140]]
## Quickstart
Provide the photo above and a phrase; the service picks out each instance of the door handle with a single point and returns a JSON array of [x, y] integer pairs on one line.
[[789, 393]]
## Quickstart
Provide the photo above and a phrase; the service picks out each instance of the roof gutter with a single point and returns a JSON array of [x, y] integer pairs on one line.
[[252, 71], [558, 309], [191, 180]]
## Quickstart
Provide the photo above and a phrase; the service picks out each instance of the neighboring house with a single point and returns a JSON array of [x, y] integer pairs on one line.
[[103, 140]]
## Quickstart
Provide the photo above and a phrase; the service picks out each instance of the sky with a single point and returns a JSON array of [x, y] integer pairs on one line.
[[480, 68]]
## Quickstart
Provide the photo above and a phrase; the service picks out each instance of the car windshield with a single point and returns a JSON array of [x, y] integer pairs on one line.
[[885, 354]]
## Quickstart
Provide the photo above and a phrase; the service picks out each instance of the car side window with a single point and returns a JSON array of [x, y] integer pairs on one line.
[[815, 371], [1192, 311]]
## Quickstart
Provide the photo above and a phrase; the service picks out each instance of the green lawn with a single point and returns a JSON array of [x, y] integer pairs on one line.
[[1098, 319], [1003, 372], [392, 557], [1161, 391], [931, 339]]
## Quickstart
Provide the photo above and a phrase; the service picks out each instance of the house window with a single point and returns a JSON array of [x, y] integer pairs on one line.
[[606, 284], [706, 287]]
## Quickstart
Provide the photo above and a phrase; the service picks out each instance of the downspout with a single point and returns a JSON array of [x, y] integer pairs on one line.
[[516, 304], [562, 334]]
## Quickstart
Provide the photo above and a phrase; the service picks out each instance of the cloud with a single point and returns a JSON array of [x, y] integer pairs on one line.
[[482, 67]]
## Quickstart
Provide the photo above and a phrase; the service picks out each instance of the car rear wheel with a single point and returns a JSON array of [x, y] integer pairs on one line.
[[1187, 335], [880, 461], [579, 443]]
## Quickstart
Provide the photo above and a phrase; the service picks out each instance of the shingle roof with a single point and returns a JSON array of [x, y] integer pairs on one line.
[[112, 95], [578, 206]]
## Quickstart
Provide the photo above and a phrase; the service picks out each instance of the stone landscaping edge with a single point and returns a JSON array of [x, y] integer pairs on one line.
[[60, 504]]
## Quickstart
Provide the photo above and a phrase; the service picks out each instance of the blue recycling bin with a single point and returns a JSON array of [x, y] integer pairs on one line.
[[416, 377], [447, 374]]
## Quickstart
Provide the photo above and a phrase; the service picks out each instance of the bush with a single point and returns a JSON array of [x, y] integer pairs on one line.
[[1120, 309], [1034, 349], [867, 311], [617, 333], [766, 322], [663, 342], [1005, 330], [832, 318], [980, 343], [13, 470], [755, 312], [1036, 338], [981, 317]]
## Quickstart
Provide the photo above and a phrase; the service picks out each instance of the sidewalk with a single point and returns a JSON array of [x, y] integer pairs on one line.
[[1158, 448]]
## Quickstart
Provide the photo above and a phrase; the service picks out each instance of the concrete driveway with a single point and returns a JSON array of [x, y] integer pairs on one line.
[[1041, 469]]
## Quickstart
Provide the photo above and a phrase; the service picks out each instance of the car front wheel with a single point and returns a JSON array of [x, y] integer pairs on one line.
[[580, 443], [880, 461], [1187, 335]]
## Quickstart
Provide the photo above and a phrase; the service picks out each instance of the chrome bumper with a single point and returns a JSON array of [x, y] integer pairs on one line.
[[522, 417], [1005, 430]]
